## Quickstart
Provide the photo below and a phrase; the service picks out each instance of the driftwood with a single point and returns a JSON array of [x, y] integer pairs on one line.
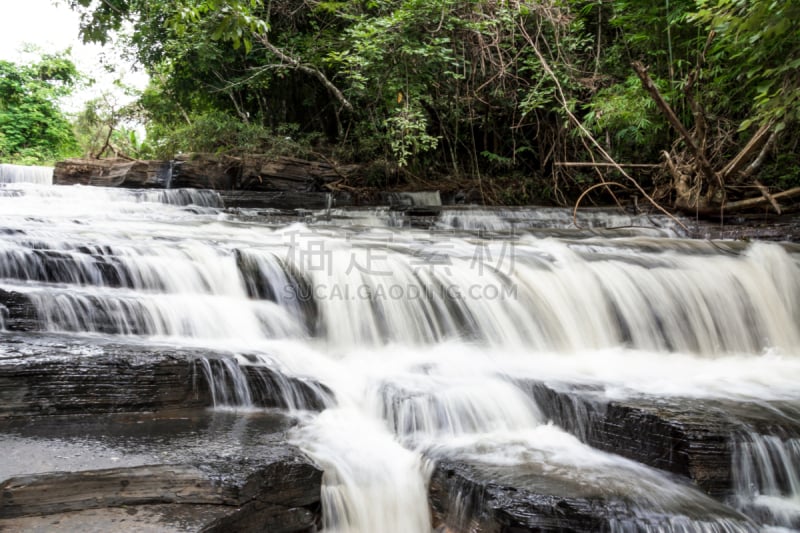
[[763, 200], [747, 152], [578, 124], [665, 108], [700, 188], [604, 164]]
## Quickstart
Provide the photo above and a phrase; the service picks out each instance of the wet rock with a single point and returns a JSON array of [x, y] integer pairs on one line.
[[284, 200], [258, 516], [281, 173], [98, 172], [61, 377], [152, 518], [62, 374], [17, 312], [234, 472], [146, 174], [420, 199], [470, 497], [690, 437], [73, 491], [294, 285], [205, 171], [269, 388], [749, 227], [55, 266]]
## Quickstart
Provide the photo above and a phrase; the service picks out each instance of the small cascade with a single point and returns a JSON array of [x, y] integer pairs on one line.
[[267, 277], [429, 408], [97, 198], [767, 478], [549, 296], [179, 197], [26, 174], [515, 473], [164, 174], [227, 383], [371, 482], [520, 220], [249, 381]]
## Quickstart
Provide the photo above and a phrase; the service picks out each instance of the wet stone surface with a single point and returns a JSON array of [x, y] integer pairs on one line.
[[237, 465], [60, 374], [687, 436], [469, 496]]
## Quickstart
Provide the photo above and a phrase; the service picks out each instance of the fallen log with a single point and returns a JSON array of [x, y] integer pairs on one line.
[[750, 203], [604, 164], [755, 142]]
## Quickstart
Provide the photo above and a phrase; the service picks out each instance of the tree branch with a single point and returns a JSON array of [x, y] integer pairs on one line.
[[564, 104], [665, 108], [755, 142], [756, 202], [295, 64]]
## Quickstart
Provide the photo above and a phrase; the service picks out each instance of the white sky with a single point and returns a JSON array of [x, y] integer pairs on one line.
[[54, 28]]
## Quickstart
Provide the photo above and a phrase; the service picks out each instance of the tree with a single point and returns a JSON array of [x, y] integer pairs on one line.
[[33, 130], [743, 93], [105, 126], [499, 96]]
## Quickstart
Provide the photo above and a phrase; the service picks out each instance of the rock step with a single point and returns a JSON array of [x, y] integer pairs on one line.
[[475, 498], [692, 437], [63, 374], [234, 472]]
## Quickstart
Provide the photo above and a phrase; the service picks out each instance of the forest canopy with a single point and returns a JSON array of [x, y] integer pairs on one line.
[[33, 129], [530, 101]]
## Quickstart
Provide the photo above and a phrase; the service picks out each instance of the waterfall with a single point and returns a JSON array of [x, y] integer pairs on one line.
[[767, 479], [398, 349], [26, 174]]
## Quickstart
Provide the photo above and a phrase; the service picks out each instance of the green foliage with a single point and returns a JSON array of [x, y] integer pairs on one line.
[[33, 130], [105, 126], [408, 136], [453, 87], [758, 42], [219, 132], [625, 115]]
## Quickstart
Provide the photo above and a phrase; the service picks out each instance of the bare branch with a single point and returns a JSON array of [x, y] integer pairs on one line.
[[665, 108], [297, 65]]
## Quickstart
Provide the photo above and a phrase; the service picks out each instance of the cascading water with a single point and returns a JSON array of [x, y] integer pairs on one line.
[[767, 478], [26, 174], [416, 340]]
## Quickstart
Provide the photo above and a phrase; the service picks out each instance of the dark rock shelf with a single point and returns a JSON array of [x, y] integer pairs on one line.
[[233, 471], [690, 437], [61, 374], [514, 499]]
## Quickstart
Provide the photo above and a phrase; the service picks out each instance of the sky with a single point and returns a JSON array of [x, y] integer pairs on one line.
[[53, 28]]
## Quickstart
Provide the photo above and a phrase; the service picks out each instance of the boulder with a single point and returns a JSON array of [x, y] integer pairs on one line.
[[205, 171]]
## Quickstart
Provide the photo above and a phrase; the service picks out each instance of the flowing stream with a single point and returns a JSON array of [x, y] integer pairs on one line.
[[420, 338]]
